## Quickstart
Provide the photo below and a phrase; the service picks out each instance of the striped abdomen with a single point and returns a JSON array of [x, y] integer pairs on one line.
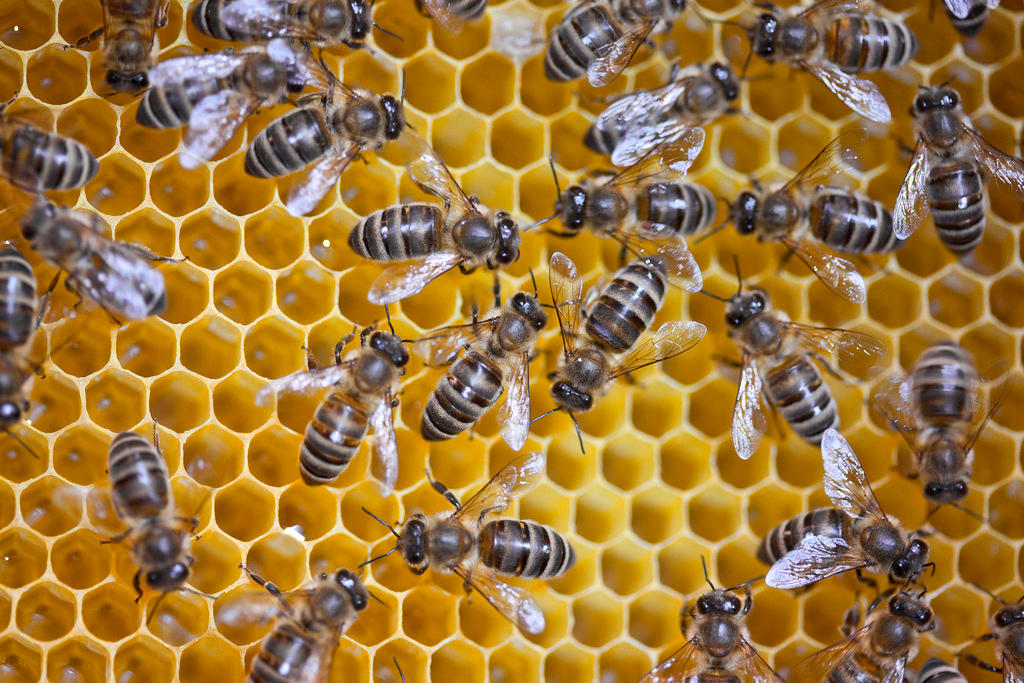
[[283, 655], [937, 671], [796, 389], [171, 106], [627, 305], [857, 43], [467, 10], [686, 208], [942, 383], [786, 536], [603, 137], [288, 144], [18, 301], [35, 160], [471, 388], [522, 548], [973, 22], [207, 17], [139, 482], [956, 197], [582, 32], [856, 667], [851, 223], [399, 232], [332, 438]]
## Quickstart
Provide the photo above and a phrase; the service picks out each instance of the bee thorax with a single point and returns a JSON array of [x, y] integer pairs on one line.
[[797, 37], [372, 371], [882, 543], [778, 213], [363, 119], [719, 636], [474, 235], [892, 636], [448, 543]]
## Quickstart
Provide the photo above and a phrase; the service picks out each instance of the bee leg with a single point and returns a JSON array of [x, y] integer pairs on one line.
[[117, 539], [82, 42], [444, 491], [823, 362], [981, 664], [866, 580], [44, 300], [851, 619], [142, 251], [137, 585], [269, 586], [161, 19]]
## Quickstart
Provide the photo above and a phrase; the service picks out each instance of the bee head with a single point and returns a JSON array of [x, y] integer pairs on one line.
[[362, 19], [529, 307], [10, 413], [508, 240], [946, 461], [571, 398], [743, 212], [743, 306], [127, 82], [726, 79], [910, 564], [394, 117], [938, 97], [764, 35], [675, 8], [570, 207], [412, 543], [391, 346], [168, 578], [353, 585], [940, 493], [915, 609], [719, 601], [1008, 615]]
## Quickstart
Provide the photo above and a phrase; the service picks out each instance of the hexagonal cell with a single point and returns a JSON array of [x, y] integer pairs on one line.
[[273, 456], [685, 462], [600, 514], [962, 615], [305, 292], [656, 515], [430, 83], [179, 401], [143, 143], [715, 513], [410, 31], [213, 456], [244, 510], [57, 400], [366, 188], [597, 618], [769, 506], [237, 192], [78, 659], [514, 141], [1001, 297], [178, 192], [1006, 506], [274, 238], [210, 238], [483, 624], [514, 662], [79, 561], [208, 659], [188, 292], [55, 75], [627, 462], [457, 662], [774, 617], [565, 133], [623, 662], [358, 522], [956, 300], [654, 618], [80, 455], [216, 562], [823, 611], [22, 558], [273, 348], [110, 612], [92, 122], [146, 347], [144, 659], [711, 407], [626, 567], [81, 346], [279, 558], [27, 26], [119, 186], [679, 566], [487, 84], [51, 506], [20, 661], [743, 145], [211, 347], [569, 663], [178, 618], [234, 403], [7, 504], [242, 293], [313, 510], [988, 341], [11, 70], [894, 301], [45, 612], [986, 561], [460, 138]]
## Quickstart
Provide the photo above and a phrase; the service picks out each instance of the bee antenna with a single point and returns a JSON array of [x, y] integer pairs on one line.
[[23, 444], [536, 294], [553, 410], [713, 296], [400, 674], [371, 594], [579, 434], [715, 229], [704, 566], [385, 31], [389, 528], [152, 612], [379, 557], [988, 593], [188, 589], [970, 512], [538, 223], [387, 314], [551, 163], [745, 584], [739, 278], [402, 97]]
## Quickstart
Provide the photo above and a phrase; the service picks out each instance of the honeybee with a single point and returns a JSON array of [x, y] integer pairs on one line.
[[19, 304], [777, 361], [969, 16], [460, 542], [363, 385], [1008, 631], [35, 161], [16, 376], [116, 275], [129, 43], [877, 652], [638, 122], [937, 671], [599, 37], [498, 358], [141, 489], [320, 22], [215, 93], [834, 40], [466, 235], [452, 14], [617, 316], [717, 647], [308, 624], [836, 218], [856, 534], [338, 127], [948, 172]]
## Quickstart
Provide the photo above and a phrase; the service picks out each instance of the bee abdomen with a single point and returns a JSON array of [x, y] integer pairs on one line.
[[576, 40], [686, 208], [858, 43], [626, 306], [851, 223], [941, 382], [937, 671], [973, 22], [522, 548], [18, 299], [468, 10], [289, 143], [798, 392], [783, 538], [399, 232], [139, 482], [856, 667], [460, 399], [207, 19], [35, 160], [602, 139], [282, 656], [332, 438], [956, 197]]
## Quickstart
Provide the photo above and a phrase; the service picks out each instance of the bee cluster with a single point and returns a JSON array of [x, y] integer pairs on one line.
[[280, 59]]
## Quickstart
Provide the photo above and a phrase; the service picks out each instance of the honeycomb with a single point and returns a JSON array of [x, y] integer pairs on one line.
[[658, 485]]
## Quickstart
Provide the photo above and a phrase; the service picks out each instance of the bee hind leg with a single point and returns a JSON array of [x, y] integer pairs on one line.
[[982, 664], [269, 586], [137, 585], [85, 40], [444, 491]]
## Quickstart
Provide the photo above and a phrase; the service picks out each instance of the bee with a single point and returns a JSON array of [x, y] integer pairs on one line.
[[466, 235], [646, 208], [856, 534], [141, 489], [877, 652], [128, 41], [808, 218], [323, 23], [339, 126], [937, 671], [717, 646], [618, 315], [834, 40], [598, 38], [969, 16], [499, 357], [35, 161], [1008, 631], [19, 305], [362, 388], [948, 172], [116, 275], [638, 122], [308, 623], [16, 377], [460, 543], [452, 14], [215, 93]]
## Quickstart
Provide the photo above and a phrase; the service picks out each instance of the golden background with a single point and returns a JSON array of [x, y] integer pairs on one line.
[[659, 484]]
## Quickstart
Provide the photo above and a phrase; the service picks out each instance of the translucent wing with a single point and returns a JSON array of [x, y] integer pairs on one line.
[[641, 139], [614, 57], [835, 272], [1013, 669], [385, 445], [121, 280], [668, 161], [433, 176], [748, 421], [828, 8], [671, 339], [835, 342], [895, 674], [304, 382], [566, 296], [860, 95], [398, 282], [846, 485], [813, 559], [893, 401], [834, 157], [912, 201], [1003, 167], [514, 414], [212, 123], [514, 479], [689, 660], [173, 71], [959, 8], [266, 18], [655, 239], [515, 604], [302, 68], [305, 195], [442, 346], [992, 4], [752, 667], [642, 106], [442, 13], [246, 609], [818, 666]]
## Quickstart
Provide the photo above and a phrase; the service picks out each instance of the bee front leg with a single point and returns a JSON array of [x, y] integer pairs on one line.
[[137, 585], [982, 664], [444, 491], [117, 539], [143, 251], [82, 42], [269, 586]]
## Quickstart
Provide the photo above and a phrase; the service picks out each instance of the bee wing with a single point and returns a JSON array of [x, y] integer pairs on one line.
[[751, 667], [442, 13], [406, 279], [246, 609], [835, 272], [514, 479], [1013, 669], [832, 7], [120, 279], [305, 195], [641, 139], [442, 346], [1003, 167], [860, 95], [841, 151], [687, 661], [893, 401], [270, 18], [959, 8], [302, 68], [895, 674], [614, 57], [992, 4], [212, 123], [566, 296], [172, 71], [818, 666], [846, 485], [433, 176], [303, 382], [643, 105], [655, 239], [669, 160], [385, 445], [813, 559], [514, 414], [912, 201], [515, 604], [835, 342], [748, 420], [671, 339]]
